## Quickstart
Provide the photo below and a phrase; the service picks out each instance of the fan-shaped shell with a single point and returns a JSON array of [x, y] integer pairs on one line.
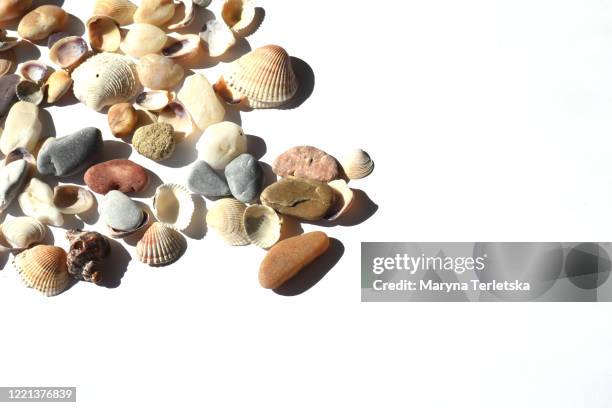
[[68, 52], [239, 15], [173, 205], [160, 245], [105, 79], [343, 199], [122, 11], [104, 33], [357, 164], [262, 225], [21, 232], [263, 78], [227, 218], [29, 91], [72, 199], [44, 268]]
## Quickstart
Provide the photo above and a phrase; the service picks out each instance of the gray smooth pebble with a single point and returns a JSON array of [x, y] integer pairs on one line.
[[67, 155], [204, 180], [245, 177], [8, 85], [120, 212]]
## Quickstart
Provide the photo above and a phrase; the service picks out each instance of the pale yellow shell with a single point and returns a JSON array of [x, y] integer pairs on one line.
[[160, 245], [72, 199], [58, 84], [44, 268], [226, 217], [122, 11], [343, 199], [262, 225], [104, 33], [176, 115], [173, 205], [263, 78], [154, 100], [357, 164], [22, 232], [239, 15]]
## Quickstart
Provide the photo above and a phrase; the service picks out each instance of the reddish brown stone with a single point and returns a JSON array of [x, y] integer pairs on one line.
[[306, 162], [119, 174]]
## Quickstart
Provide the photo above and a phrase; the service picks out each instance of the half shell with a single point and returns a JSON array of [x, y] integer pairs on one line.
[[343, 199], [58, 84], [227, 218], [44, 269], [189, 14], [105, 79], [173, 205], [72, 199], [182, 46], [35, 71], [7, 62], [239, 15], [122, 11], [160, 245], [104, 33], [22, 232], [154, 100], [115, 233], [357, 164], [263, 78], [176, 115], [37, 202], [21, 153], [29, 91], [262, 225], [69, 52], [218, 37]]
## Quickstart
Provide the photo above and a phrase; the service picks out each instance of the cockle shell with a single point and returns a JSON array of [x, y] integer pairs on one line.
[[143, 39], [22, 128], [122, 11], [58, 84], [343, 199], [87, 249], [177, 116], [37, 201], [189, 14], [72, 199], [104, 33], [160, 245], [262, 225], [239, 15], [69, 52], [156, 12], [218, 37], [13, 176], [105, 79], [263, 78], [44, 268], [357, 164], [7, 62], [182, 46], [21, 232], [35, 71], [29, 91], [227, 218], [154, 100], [173, 205]]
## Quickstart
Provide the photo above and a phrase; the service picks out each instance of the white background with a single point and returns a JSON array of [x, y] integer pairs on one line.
[[488, 120]]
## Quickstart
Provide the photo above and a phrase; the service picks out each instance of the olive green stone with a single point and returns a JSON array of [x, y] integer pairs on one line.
[[155, 141], [301, 198]]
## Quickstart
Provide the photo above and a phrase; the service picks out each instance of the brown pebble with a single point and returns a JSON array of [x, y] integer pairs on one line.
[[122, 119], [118, 174], [10, 9], [301, 198], [41, 22], [285, 259], [307, 162]]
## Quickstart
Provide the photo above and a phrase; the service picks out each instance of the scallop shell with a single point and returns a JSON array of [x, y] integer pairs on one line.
[[218, 37], [263, 78], [122, 11], [69, 52], [104, 33], [189, 14], [72, 199], [37, 202], [7, 62], [227, 218], [115, 233], [105, 79], [35, 71], [262, 225], [176, 115], [182, 46], [239, 15], [160, 245], [44, 268], [22, 232], [154, 100], [343, 199], [29, 91], [357, 164], [58, 84], [173, 205]]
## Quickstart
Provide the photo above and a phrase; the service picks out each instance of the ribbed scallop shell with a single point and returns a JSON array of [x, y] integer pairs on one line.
[[122, 11], [21, 232], [44, 268], [357, 164], [263, 78], [160, 245], [105, 79], [226, 217], [262, 225], [173, 205]]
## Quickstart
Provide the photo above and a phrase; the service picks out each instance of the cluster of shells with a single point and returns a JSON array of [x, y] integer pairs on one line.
[[129, 67]]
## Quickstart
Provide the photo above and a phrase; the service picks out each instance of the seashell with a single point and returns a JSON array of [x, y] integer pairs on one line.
[[22, 128], [28, 91], [156, 12], [6, 43], [58, 84], [72, 199], [69, 52], [105, 79], [343, 199], [7, 62], [122, 11], [189, 14], [154, 100], [115, 233], [176, 115], [227, 218], [201, 101], [262, 225], [35, 71], [202, 3], [160, 245], [104, 34], [143, 39], [37, 202], [44, 268], [357, 164], [10, 9], [41, 22], [158, 72], [21, 232], [263, 78], [12, 179], [239, 15], [173, 205], [182, 46], [218, 37], [20, 153], [55, 37], [87, 249]]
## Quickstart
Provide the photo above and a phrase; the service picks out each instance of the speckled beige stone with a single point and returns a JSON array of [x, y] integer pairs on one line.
[[155, 141]]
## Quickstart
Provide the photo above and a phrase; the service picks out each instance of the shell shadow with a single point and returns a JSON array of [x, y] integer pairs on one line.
[[74, 26], [115, 265], [362, 209], [236, 51], [91, 216], [269, 176], [184, 153], [314, 272], [46, 121], [232, 114], [198, 229], [306, 80], [37, 3], [256, 146], [290, 227], [154, 182], [67, 100], [114, 149], [72, 222]]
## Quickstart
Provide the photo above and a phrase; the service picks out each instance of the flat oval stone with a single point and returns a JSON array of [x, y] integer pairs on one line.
[[306, 162], [285, 259], [22, 128], [69, 154], [41, 22], [8, 86], [204, 180], [119, 174], [155, 141], [301, 198], [244, 176], [120, 212]]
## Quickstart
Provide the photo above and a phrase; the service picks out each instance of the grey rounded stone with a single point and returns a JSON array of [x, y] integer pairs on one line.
[[69, 154], [120, 212], [245, 177], [204, 180], [8, 86]]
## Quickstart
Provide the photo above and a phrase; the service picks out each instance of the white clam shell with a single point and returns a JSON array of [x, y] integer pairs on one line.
[[262, 225], [44, 268], [189, 14], [173, 205], [69, 51], [160, 245], [357, 164], [343, 199], [22, 232], [176, 114], [35, 71], [37, 201], [227, 218], [22, 128], [72, 199], [239, 15], [218, 37], [154, 100]]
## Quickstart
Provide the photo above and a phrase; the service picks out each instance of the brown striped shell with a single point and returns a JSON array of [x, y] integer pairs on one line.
[[160, 245], [44, 268]]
